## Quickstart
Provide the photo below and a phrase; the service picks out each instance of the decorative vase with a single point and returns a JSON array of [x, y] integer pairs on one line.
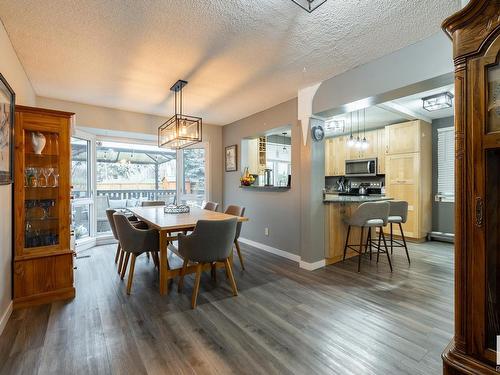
[[38, 142]]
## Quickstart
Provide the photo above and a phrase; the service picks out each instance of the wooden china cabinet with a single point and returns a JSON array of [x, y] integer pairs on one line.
[[43, 260], [475, 32]]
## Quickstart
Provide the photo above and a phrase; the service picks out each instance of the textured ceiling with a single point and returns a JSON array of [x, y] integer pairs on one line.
[[239, 56]]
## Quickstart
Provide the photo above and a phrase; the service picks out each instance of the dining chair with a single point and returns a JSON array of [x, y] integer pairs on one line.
[[133, 220], [211, 206], [367, 216], [398, 214], [237, 211], [152, 203], [134, 242], [210, 243]]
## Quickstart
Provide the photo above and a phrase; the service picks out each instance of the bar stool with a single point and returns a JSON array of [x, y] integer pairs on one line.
[[368, 215], [398, 214]]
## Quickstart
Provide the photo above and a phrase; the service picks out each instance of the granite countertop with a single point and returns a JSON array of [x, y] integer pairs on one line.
[[335, 198]]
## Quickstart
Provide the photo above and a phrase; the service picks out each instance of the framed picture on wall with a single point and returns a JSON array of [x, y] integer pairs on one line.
[[7, 100], [231, 158]]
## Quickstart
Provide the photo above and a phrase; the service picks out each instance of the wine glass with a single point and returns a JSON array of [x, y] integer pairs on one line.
[[55, 173], [46, 175], [51, 173], [36, 177]]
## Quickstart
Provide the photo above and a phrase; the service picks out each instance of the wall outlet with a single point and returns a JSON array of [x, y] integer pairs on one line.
[[266, 231]]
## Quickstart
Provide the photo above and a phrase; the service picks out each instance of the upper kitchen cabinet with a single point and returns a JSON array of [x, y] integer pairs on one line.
[[406, 137], [335, 156], [354, 153]]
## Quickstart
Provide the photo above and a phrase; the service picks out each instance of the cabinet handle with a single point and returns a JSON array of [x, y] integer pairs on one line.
[[479, 212]]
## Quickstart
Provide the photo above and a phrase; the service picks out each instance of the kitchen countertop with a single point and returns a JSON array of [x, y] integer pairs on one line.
[[335, 198]]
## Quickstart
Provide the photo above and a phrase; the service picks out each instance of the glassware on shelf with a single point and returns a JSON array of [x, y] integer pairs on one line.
[[55, 173], [46, 175], [51, 173]]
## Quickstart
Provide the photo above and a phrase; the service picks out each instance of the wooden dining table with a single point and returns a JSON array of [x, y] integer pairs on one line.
[[167, 225]]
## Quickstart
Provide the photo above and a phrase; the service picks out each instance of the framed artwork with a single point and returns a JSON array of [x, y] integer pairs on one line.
[[7, 101], [231, 158]]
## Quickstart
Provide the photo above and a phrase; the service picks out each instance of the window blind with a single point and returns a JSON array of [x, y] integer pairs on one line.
[[446, 164]]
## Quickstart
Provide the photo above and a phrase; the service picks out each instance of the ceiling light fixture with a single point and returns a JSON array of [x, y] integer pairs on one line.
[[438, 101], [180, 130], [350, 140], [285, 150], [309, 5]]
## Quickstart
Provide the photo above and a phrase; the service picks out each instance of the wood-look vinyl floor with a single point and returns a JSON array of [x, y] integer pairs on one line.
[[284, 321]]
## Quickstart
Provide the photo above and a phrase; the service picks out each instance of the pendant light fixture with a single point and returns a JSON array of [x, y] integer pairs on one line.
[[285, 150], [358, 140], [309, 5], [180, 130], [364, 143], [350, 141]]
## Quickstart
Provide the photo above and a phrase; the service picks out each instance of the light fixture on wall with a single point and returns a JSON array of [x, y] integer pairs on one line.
[[438, 101], [309, 5], [180, 130], [335, 126]]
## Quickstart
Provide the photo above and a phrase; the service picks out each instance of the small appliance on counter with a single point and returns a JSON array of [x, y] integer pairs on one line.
[[268, 177]]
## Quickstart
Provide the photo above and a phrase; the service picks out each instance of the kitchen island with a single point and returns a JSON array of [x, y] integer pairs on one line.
[[338, 208]]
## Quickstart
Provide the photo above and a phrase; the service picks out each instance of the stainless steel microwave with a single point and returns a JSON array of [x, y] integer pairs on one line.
[[361, 167]]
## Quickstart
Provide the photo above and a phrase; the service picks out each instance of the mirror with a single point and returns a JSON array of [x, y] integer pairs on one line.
[[268, 158]]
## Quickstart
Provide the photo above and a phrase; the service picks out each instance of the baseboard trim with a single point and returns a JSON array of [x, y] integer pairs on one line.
[[270, 249], [312, 266], [6, 316]]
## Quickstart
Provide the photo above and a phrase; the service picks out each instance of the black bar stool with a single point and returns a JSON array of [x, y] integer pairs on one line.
[[369, 215], [398, 214]]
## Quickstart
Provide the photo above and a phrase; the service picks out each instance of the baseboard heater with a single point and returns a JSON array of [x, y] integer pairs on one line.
[[441, 236]]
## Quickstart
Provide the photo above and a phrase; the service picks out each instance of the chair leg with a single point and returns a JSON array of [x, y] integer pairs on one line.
[[147, 254], [125, 263], [360, 248], [156, 260], [196, 285], [386, 249], [117, 253], [120, 262], [378, 245], [131, 273], [369, 242], [239, 253], [392, 241], [404, 242], [213, 271], [181, 275], [229, 269], [346, 242]]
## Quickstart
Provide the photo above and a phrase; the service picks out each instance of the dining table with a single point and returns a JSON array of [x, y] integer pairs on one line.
[[167, 225]]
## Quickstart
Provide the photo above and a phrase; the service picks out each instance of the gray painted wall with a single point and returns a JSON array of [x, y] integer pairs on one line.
[[443, 216], [278, 211]]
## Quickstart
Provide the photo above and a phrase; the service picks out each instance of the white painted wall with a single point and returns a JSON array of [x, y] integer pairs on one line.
[[13, 71]]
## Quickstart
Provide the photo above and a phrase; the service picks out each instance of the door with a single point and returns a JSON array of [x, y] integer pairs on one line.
[[403, 138]]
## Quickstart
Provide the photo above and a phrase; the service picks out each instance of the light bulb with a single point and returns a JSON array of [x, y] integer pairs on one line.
[[357, 144], [364, 145], [350, 141]]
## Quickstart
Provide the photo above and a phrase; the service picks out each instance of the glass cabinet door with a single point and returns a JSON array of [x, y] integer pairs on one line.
[[41, 189], [492, 211]]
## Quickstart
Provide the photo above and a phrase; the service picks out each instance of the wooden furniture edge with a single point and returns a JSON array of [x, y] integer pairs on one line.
[[461, 17], [38, 255], [37, 110], [44, 298], [459, 363]]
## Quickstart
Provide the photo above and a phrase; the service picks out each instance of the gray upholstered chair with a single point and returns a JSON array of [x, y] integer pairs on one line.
[[368, 215], [398, 214], [210, 242], [138, 224], [134, 241], [237, 211], [211, 206], [152, 203]]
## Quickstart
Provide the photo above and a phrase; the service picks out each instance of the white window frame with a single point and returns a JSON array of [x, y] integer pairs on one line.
[[445, 196]]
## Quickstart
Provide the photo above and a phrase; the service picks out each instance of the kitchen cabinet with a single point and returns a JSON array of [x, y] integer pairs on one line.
[[335, 155], [404, 137], [381, 151], [408, 176], [372, 150]]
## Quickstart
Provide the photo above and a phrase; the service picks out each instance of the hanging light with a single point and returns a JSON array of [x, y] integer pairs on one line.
[[180, 130], [364, 143], [309, 5], [357, 144], [285, 150], [350, 140]]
